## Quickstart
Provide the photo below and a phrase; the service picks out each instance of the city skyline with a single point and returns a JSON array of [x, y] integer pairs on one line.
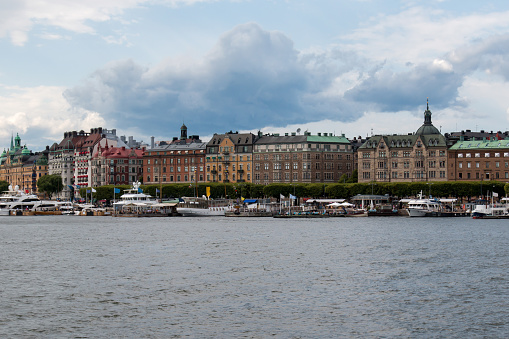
[[349, 67]]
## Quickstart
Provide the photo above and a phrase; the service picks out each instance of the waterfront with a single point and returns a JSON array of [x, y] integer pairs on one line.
[[219, 277]]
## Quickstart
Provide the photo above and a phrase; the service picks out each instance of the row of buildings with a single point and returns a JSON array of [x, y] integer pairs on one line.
[[100, 157]]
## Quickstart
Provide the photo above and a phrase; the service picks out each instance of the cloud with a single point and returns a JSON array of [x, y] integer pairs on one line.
[[41, 115], [420, 34], [253, 77], [18, 17], [250, 74]]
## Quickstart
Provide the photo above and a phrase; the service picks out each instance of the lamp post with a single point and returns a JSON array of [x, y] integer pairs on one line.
[[482, 176]]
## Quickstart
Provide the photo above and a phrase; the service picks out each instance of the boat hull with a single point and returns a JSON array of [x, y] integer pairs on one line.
[[202, 212]]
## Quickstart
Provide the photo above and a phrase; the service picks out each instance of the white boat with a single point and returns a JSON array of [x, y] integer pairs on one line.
[[67, 207], [133, 197], [492, 211], [203, 207], [422, 207], [16, 200]]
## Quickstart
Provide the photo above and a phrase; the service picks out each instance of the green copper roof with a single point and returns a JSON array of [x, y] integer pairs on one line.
[[25, 151], [480, 144], [427, 127], [328, 139], [42, 161]]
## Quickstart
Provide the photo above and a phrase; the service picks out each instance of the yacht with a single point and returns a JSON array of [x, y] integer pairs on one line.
[[203, 207], [423, 207], [17, 200], [134, 198]]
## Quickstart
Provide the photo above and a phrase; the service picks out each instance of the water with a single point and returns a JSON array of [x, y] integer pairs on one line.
[[89, 277]]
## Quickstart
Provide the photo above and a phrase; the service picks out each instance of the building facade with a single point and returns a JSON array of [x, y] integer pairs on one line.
[[475, 160], [180, 161], [116, 165], [307, 158], [21, 168], [230, 157], [421, 156]]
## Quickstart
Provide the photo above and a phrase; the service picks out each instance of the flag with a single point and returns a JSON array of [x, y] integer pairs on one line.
[[140, 190], [281, 196], [495, 194], [93, 190], [88, 191], [70, 187], [241, 198], [116, 190], [157, 190], [207, 189], [293, 197]]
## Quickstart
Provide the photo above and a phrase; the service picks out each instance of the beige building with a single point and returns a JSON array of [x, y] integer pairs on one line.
[[421, 156]]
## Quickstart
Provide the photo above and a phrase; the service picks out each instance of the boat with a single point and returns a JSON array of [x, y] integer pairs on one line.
[[422, 207], [134, 201], [203, 207], [383, 210], [15, 202], [490, 211]]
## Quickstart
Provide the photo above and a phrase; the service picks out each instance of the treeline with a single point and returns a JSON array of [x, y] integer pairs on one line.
[[456, 189]]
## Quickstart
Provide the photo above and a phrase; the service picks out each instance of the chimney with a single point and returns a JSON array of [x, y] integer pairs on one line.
[[151, 142]]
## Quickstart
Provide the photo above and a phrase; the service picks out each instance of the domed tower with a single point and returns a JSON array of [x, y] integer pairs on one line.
[[183, 132], [427, 127], [25, 151], [17, 142]]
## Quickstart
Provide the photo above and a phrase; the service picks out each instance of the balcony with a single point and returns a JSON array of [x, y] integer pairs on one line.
[[240, 171], [213, 172]]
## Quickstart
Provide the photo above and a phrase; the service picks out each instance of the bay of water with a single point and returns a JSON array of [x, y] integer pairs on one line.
[[98, 277]]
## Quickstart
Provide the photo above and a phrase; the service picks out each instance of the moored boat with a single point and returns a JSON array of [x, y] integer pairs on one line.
[[202, 207]]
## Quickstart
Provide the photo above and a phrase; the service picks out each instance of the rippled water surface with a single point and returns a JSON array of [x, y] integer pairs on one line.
[[89, 277]]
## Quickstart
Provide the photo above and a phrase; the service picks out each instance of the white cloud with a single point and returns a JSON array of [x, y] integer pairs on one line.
[[18, 17], [41, 114], [420, 34]]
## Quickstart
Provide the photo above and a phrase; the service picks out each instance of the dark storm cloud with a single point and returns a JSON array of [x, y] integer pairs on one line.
[[393, 92], [254, 78]]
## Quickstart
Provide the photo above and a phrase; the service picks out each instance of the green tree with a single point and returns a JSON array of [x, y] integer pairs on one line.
[[50, 184], [4, 185]]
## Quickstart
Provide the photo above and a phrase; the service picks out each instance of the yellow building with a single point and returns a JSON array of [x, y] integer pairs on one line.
[[229, 157], [22, 168]]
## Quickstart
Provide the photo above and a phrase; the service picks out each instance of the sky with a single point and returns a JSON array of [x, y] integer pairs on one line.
[[353, 67]]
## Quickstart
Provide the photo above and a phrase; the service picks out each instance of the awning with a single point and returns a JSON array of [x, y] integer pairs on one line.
[[250, 201], [166, 204]]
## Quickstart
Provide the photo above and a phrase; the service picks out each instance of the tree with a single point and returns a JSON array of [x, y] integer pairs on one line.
[[50, 184], [4, 185]]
